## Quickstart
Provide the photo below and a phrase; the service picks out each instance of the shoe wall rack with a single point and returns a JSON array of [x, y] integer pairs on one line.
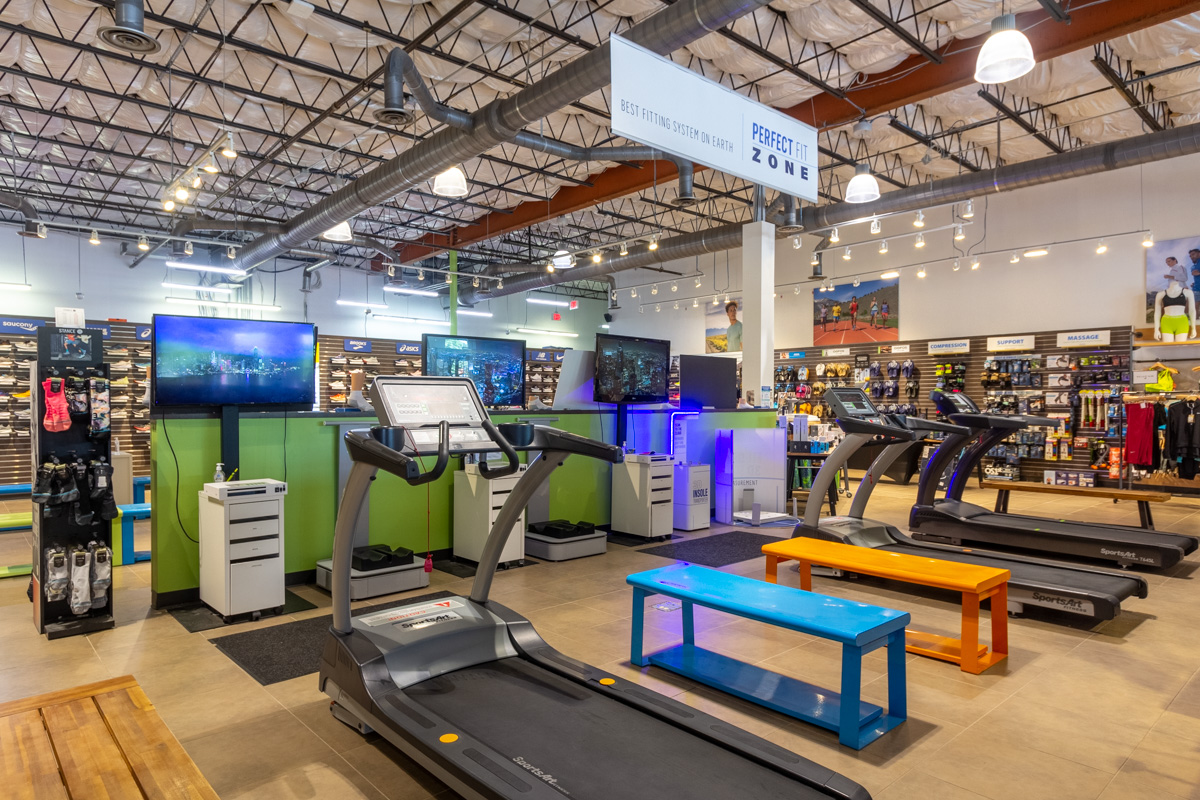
[[73, 503]]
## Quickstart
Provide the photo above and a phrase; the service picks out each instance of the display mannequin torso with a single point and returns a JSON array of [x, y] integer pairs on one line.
[[1175, 314]]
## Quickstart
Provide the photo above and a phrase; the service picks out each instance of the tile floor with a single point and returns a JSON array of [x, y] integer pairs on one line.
[[1109, 712]]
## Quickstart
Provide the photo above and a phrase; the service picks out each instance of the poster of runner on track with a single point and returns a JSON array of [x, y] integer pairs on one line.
[[869, 312]]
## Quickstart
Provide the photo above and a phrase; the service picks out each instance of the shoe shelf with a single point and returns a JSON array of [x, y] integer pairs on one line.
[[374, 357], [542, 367]]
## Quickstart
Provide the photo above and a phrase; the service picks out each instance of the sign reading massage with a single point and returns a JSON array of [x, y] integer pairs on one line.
[[663, 104], [1083, 339], [1003, 344], [950, 346]]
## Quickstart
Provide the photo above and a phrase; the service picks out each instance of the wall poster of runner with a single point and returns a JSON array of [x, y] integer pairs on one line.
[[869, 312]]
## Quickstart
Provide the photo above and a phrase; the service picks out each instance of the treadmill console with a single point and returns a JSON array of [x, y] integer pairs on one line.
[[853, 403], [419, 404], [953, 403]]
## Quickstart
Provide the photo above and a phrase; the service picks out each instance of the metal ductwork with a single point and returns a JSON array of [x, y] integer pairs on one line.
[[192, 225], [560, 149], [499, 121], [399, 72], [788, 223], [1157, 146], [128, 31], [18, 203]]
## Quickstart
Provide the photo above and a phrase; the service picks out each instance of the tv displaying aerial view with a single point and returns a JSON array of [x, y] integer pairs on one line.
[[496, 366], [631, 370], [206, 361]]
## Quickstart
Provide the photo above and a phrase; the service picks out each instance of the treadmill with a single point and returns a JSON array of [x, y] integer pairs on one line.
[[952, 521], [468, 689], [1078, 589]]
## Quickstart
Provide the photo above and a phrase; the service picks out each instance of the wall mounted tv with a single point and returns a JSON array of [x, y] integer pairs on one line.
[[209, 361], [497, 366], [631, 370]]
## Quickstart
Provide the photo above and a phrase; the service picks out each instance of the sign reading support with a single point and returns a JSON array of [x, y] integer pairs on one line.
[[1005, 344], [663, 104], [950, 346], [1083, 339]]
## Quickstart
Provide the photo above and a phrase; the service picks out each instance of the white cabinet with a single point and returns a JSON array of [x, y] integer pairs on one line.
[[241, 546], [477, 503], [692, 502], [751, 468], [642, 496]]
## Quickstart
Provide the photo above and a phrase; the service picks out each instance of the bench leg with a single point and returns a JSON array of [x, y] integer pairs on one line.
[[897, 676], [689, 623], [969, 652], [772, 575], [851, 692], [1000, 623], [127, 553], [1002, 501], [635, 637], [805, 570], [1144, 513]]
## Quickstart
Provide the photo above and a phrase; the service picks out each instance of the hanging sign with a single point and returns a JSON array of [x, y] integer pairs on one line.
[[1083, 339], [142, 332], [831, 352], [1003, 344], [950, 346], [356, 346], [663, 104], [105, 330], [894, 348], [408, 348]]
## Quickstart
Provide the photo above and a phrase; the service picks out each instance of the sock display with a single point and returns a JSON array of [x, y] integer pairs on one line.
[[58, 574], [81, 581], [101, 415], [101, 573]]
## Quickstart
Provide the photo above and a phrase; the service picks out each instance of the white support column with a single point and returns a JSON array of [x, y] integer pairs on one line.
[[758, 311]]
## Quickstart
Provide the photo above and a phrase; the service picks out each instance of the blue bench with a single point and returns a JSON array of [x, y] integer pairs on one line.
[[122, 534], [16, 488], [139, 489], [860, 628]]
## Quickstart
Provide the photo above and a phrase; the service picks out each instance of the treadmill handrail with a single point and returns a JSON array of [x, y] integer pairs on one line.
[[514, 463], [922, 424]]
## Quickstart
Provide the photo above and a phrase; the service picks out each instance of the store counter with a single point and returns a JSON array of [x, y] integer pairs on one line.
[[184, 450]]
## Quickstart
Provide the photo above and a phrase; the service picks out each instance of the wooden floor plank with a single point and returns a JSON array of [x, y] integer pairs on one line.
[[28, 769], [65, 695], [159, 763], [92, 764]]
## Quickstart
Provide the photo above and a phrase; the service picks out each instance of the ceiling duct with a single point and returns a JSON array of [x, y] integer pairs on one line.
[[499, 121], [789, 224], [128, 31], [27, 210]]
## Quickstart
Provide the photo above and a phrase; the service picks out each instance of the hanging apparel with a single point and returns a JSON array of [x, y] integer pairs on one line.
[[57, 417], [1139, 446], [1165, 382]]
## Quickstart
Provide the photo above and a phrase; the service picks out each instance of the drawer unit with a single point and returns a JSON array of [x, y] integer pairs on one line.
[[477, 504], [643, 495], [241, 547]]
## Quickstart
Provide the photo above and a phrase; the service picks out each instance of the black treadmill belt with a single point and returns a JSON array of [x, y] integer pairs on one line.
[[594, 746], [1095, 582]]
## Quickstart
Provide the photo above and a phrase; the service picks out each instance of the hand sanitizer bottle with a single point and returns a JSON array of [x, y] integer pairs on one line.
[[219, 475]]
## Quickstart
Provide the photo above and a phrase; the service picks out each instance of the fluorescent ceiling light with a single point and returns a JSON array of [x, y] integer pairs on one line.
[[360, 304], [540, 302], [863, 187], [198, 267], [1006, 55], [1037, 251], [196, 288], [548, 333], [339, 233], [440, 322], [887, 276], [188, 301], [606, 326], [16, 287], [405, 290], [467, 312]]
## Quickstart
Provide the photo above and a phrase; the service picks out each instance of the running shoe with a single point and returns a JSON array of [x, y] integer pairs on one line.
[[141, 428], [116, 351], [338, 373], [337, 398], [119, 382], [122, 366], [357, 360], [119, 413], [372, 360], [338, 360], [7, 380], [402, 362], [21, 395], [338, 385], [26, 347]]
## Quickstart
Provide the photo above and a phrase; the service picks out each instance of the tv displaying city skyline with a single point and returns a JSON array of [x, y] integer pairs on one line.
[[631, 369], [208, 361], [496, 366]]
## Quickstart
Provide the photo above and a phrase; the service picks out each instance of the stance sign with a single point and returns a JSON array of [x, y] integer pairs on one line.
[[663, 104]]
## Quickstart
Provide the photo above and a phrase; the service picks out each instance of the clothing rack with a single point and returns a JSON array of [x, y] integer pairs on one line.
[[1145, 397]]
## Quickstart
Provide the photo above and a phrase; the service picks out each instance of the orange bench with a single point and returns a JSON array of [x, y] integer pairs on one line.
[[975, 582]]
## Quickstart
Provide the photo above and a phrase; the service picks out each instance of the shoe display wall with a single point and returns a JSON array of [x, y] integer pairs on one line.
[[374, 358], [541, 373]]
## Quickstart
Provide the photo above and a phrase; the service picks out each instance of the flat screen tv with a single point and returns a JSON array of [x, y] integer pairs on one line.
[[707, 382], [497, 366], [630, 369], [209, 361]]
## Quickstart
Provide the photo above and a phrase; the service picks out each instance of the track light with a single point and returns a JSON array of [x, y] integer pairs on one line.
[[726, 298], [550, 266], [421, 275], [500, 283], [695, 303], [168, 204], [883, 247], [633, 292], [697, 281], [641, 309], [475, 282], [846, 255], [231, 252], [1037, 252], [855, 283], [889, 275], [196, 181], [958, 233], [674, 286], [624, 249], [209, 165], [863, 187], [716, 301], [188, 248], [876, 226], [956, 265], [676, 306], [1148, 239], [969, 211], [657, 308], [815, 261], [1005, 55], [228, 150], [919, 220], [921, 272], [654, 289], [796, 245], [1101, 248], [796, 289], [920, 241], [834, 237], [975, 263], [143, 243], [1015, 258], [95, 237], [181, 192], [653, 243], [596, 257]]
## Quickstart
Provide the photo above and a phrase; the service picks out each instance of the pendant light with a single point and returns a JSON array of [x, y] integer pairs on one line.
[[919, 220], [863, 187], [95, 237], [451, 183], [339, 233], [876, 226], [834, 237], [883, 247], [920, 242], [624, 249], [846, 255], [143, 243], [1148, 239], [1005, 55], [969, 211]]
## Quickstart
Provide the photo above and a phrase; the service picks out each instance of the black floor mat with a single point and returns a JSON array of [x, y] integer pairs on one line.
[[629, 540], [462, 570], [196, 617], [719, 550], [282, 652]]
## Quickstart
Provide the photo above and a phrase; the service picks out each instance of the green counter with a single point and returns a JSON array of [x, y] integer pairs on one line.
[[303, 450]]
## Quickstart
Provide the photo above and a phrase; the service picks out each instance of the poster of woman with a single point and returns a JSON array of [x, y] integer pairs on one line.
[[869, 312], [1172, 260]]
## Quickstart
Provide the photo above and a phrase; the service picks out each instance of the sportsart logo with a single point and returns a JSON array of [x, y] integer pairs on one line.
[[1065, 603], [539, 773], [425, 622]]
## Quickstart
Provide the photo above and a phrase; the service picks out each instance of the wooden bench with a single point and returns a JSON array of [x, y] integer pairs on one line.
[[1141, 496], [975, 582], [122, 534], [860, 628], [99, 740]]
